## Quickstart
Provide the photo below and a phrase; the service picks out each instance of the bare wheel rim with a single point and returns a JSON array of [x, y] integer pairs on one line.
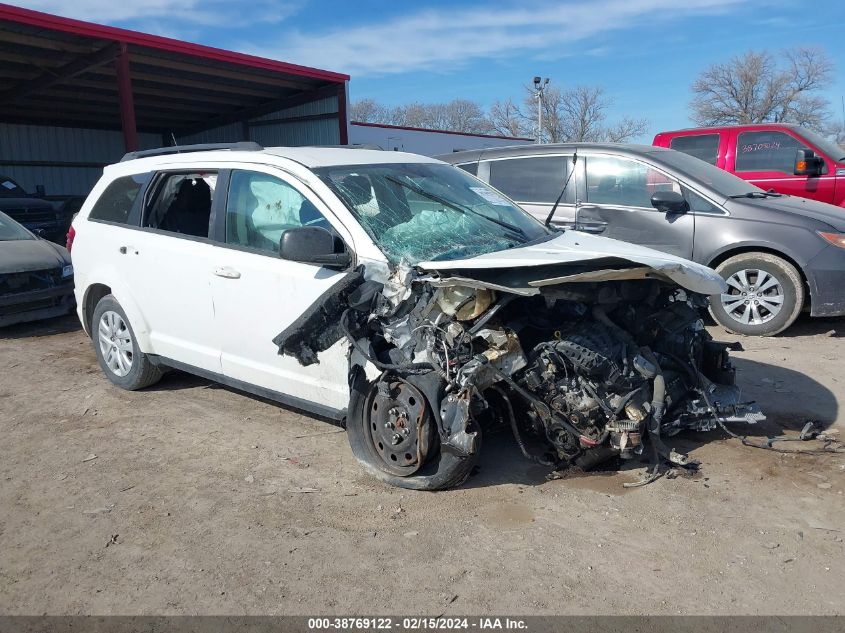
[[115, 343], [754, 296]]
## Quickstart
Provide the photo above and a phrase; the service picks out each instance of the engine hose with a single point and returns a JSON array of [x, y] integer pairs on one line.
[[600, 315], [515, 428], [406, 367], [574, 432]]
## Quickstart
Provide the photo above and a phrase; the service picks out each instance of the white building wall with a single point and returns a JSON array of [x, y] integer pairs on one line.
[[425, 142]]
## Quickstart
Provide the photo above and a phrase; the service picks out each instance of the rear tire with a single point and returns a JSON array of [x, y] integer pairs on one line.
[[120, 358], [765, 295], [440, 470]]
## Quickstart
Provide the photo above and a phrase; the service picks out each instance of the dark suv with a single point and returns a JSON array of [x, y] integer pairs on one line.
[[49, 219], [778, 253]]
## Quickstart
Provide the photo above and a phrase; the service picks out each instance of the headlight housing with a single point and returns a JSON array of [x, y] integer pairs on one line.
[[67, 271], [837, 239]]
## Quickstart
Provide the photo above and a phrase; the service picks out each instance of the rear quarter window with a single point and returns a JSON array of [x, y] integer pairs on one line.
[[703, 146], [117, 200]]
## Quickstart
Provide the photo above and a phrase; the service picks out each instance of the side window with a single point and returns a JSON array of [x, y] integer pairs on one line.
[[703, 146], [261, 207], [766, 151], [470, 167], [181, 203], [116, 201], [535, 179], [624, 182], [699, 204]]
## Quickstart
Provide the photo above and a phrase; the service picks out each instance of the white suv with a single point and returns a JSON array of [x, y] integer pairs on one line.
[[396, 293]]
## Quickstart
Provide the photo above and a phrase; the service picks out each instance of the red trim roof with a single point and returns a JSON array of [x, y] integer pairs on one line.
[[99, 31], [422, 129]]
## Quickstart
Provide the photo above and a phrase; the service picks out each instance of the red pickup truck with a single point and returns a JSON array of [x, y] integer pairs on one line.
[[787, 158]]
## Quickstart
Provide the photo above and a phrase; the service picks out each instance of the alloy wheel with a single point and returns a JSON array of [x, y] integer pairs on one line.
[[115, 343], [754, 296]]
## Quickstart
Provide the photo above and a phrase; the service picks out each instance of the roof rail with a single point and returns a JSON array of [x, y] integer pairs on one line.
[[243, 146]]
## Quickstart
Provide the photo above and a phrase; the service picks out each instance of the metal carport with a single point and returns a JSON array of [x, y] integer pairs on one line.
[[75, 95]]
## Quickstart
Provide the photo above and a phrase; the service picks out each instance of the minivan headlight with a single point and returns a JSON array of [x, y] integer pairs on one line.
[[67, 271], [837, 239]]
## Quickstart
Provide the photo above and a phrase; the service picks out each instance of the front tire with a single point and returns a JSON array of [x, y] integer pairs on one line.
[[120, 358], [437, 470], [765, 295]]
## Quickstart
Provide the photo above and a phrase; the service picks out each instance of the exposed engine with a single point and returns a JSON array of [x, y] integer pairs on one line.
[[581, 372]]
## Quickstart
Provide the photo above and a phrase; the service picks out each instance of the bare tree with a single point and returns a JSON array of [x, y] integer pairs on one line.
[[458, 115], [507, 119], [579, 114], [463, 115], [368, 111], [756, 88]]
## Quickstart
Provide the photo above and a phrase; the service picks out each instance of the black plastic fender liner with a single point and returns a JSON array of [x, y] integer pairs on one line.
[[442, 470], [318, 328]]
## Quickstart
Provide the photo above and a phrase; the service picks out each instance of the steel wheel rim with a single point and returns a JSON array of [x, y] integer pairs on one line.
[[754, 296], [115, 343]]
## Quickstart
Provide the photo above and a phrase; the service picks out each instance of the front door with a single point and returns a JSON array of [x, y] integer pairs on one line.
[[617, 204], [257, 294]]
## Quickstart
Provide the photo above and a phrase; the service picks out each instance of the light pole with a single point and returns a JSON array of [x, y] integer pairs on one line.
[[539, 89]]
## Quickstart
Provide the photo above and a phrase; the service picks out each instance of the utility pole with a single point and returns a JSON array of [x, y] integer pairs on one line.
[[539, 89]]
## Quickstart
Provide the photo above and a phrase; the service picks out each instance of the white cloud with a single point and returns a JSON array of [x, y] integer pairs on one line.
[[177, 15], [447, 39]]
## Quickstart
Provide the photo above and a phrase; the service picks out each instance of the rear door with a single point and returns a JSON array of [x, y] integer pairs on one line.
[[767, 159], [535, 182], [167, 265], [257, 294], [709, 147], [617, 204]]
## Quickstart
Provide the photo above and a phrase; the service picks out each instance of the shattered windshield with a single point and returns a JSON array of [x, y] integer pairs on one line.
[[429, 212]]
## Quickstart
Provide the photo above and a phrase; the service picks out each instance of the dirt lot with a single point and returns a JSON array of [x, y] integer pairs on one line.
[[193, 498]]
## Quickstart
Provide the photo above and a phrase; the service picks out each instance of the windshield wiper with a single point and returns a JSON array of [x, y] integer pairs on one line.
[[457, 207], [759, 195]]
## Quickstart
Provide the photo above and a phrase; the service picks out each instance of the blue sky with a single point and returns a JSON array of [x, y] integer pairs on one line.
[[645, 53]]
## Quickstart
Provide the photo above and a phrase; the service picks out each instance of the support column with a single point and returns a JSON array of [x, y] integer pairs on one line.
[[127, 102], [342, 117]]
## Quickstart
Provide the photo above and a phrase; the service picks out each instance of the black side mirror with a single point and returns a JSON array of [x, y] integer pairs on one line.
[[312, 245], [40, 191], [807, 163], [669, 202]]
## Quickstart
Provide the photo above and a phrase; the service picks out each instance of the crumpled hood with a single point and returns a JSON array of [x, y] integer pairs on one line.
[[18, 256], [564, 258]]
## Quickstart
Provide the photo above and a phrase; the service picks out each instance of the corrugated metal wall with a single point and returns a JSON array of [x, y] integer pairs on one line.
[[78, 155], [271, 130]]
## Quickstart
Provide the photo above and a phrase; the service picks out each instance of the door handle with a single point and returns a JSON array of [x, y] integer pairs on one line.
[[227, 273], [126, 249]]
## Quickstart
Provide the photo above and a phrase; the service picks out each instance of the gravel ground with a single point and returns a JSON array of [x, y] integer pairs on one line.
[[191, 498]]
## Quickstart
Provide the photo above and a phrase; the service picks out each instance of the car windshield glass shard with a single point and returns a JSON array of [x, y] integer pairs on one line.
[[11, 230], [426, 212]]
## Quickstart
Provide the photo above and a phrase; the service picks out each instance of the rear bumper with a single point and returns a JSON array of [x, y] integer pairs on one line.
[[826, 277], [36, 304]]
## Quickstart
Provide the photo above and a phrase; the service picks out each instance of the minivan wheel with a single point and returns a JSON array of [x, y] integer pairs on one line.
[[765, 295], [391, 431], [117, 349]]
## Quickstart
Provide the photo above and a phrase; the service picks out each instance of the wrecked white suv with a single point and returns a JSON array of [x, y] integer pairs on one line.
[[399, 294]]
